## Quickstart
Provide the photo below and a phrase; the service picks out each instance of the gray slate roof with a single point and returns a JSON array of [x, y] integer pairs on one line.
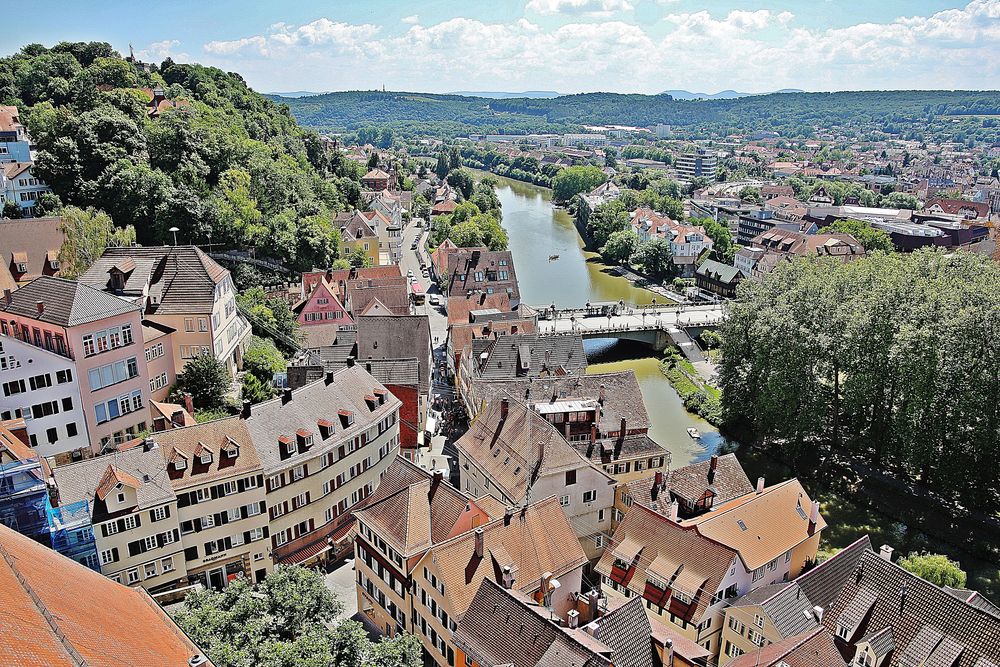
[[384, 337], [627, 632], [78, 481], [179, 279], [528, 355], [66, 303], [718, 271], [271, 419]]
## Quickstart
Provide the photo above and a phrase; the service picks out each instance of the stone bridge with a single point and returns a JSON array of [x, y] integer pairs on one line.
[[656, 326]]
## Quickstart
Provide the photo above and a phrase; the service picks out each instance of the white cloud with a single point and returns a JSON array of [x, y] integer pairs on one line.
[[336, 36], [589, 7], [744, 49], [158, 51], [411, 19]]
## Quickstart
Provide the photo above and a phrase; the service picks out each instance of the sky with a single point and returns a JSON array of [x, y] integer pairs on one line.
[[641, 46]]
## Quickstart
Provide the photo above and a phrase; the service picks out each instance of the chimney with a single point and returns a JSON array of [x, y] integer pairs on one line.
[[507, 579], [479, 543], [902, 596], [504, 407], [818, 611], [543, 587], [7, 298], [286, 396], [675, 508], [40, 305], [760, 485], [592, 605], [600, 395], [148, 444], [329, 378], [668, 650], [188, 404], [813, 516], [350, 362], [573, 619], [245, 412], [593, 433], [508, 515], [886, 552]]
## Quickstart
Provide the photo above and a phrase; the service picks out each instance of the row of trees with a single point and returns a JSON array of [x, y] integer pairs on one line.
[[225, 166], [475, 222], [892, 359]]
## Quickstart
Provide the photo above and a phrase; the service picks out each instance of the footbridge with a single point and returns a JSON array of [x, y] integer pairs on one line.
[[656, 326]]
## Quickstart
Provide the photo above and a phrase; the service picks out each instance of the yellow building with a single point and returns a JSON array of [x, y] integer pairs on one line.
[[356, 233]]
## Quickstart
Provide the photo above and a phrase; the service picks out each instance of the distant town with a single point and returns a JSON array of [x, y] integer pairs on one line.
[[271, 395]]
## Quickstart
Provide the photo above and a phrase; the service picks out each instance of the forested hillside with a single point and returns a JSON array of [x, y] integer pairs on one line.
[[919, 114], [219, 161]]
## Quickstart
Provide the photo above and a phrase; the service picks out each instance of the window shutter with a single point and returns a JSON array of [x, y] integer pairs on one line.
[[114, 555], [222, 518], [183, 500], [285, 505], [159, 540], [307, 498], [260, 480], [135, 548], [177, 535], [241, 486], [121, 525], [262, 507], [312, 524], [243, 512], [215, 492], [267, 531], [104, 530], [152, 517], [197, 525], [167, 510]]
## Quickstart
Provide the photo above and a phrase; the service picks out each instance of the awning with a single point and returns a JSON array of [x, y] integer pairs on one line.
[[627, 549], [431, 426], [690, 582], [663, 569]]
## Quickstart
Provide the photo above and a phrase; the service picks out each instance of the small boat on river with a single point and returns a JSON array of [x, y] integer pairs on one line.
[[553, 258], [693, 432]]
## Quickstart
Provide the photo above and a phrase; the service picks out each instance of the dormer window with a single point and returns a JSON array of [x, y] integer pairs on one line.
[[325, 428], [21, 267], [346, 418], [205, 458], [372, 401], [286, 445], [304, 437], [231, 449], [380, 394]]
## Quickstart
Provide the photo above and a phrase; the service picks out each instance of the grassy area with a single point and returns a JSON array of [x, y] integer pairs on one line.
[[699, 397]]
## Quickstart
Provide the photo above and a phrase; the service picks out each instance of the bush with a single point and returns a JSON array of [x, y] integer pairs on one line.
[[206, 379], [935, 568]]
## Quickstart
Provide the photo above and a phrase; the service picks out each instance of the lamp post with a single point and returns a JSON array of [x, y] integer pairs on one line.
[[174, 231]]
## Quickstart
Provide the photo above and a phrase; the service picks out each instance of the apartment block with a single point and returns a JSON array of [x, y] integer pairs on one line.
[[98, 333]]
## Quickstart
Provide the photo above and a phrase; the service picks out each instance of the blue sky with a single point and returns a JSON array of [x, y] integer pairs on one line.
[[565, 45]]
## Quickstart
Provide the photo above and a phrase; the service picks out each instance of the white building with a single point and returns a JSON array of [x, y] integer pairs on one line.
[[584, 139], [41, 387]]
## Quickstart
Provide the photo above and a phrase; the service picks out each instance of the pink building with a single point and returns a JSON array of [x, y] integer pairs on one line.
[[322, 306], [103, 335]]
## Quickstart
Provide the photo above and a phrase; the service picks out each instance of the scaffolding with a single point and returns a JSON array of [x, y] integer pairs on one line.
[[71, 532], [23, 498]]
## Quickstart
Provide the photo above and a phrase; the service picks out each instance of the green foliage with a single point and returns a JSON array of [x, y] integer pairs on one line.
[[723, 247], [571, 181], [11, 210], [620, 247], [751, 195], [607, 219], [225, 164], [209, 415], [656, 258], [88, 233], [890, 359], [270, 317], [710, 340], [935, 568], [699, 397], [285, 621], [206, 379], [263, 359], [462, 180], [254, 389], [871, 238]]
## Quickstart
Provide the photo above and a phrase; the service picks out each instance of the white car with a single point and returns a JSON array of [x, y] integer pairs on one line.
[[434, 300]]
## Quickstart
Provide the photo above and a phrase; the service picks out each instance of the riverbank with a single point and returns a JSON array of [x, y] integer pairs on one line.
[[698, 395]]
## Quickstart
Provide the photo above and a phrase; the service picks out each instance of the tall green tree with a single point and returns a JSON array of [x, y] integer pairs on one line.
[[935, 568], [620, 248], [206, 379], [88, 233], [572, 181], [656, 258], [871, 238]]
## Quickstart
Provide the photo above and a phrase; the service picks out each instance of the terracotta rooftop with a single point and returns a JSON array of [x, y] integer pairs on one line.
[[37, 239], [814, 648], [214, 437], [761, 526], [58, 613], [537, 538]]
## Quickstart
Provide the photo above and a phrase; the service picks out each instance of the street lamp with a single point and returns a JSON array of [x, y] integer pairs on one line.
[[174, 231]]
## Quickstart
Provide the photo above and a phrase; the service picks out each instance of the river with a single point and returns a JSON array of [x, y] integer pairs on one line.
[[537, 230]]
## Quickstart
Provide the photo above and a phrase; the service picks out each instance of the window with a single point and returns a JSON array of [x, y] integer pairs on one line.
[[253, 509], [733, 651], [131, 521], [230, 487], [755, 637], [590, 496], [250, 483], [233, 514], [188, 324], [758, 573], [570, 477], [599, 540], [864, 659], [150, 542], [149, 570], [159, 513], [107, 556], [564, 501], [256, 534], [167, 564], [168, 537], [202, 324], [298, 472], [843, 632], [71, 430], [758, 620], [133, 576], [208, 521], [735, 625]]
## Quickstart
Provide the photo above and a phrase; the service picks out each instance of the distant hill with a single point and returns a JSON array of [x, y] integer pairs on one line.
[[496, 95], [723, 95], [295, 94], [908, 113]]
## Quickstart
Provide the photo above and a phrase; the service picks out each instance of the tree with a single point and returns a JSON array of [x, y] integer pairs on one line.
[[255, 390], [620, 247], [12, 210], [606, 220], [723, 247], [610, 158], [287, 620], [656, 258], [571, 181], [442, 168], [88, 233], [935, 568], [270, 317], [455, 159], [462, 180], [206, 379], [752, 195], [263, 359], [871, 238]]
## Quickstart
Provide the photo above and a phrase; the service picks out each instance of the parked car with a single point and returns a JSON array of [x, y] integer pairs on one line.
[[435, 300]]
